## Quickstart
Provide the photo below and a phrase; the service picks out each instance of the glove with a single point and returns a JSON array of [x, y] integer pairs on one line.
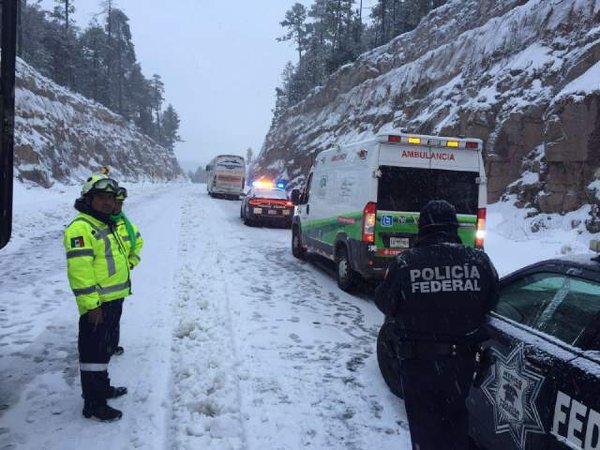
[[95, 316]]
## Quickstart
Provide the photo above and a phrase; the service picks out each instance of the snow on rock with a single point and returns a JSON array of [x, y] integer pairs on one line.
[[517, 74], [63, 136]]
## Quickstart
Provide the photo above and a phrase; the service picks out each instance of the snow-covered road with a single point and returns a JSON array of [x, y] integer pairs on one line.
[[230, 341]]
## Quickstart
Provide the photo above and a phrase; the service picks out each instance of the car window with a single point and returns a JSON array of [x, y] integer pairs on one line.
[[560, 305], [307, 190]]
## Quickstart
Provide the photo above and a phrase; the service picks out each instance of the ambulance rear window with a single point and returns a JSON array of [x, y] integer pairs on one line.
[[408, 189]]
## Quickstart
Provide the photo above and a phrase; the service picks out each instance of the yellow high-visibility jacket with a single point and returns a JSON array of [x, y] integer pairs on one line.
[[133, 253], [97, 262]]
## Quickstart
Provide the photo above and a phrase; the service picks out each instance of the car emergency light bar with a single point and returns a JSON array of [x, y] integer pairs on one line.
[[262, 184], [432, 141]]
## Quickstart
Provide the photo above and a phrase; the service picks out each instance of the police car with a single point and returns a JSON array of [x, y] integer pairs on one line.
[[266, 203], [541, 386], [539, 381]]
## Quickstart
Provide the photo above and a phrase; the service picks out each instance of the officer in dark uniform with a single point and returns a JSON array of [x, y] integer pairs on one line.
[[438, 293]]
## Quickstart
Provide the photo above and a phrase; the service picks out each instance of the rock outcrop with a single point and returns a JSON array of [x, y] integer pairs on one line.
[[62, 136], [524, 76]]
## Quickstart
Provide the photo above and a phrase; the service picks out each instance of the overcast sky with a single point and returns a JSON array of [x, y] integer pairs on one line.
[[219, 60]]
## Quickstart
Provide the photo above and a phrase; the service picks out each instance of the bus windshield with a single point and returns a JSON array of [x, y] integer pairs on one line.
[[408, 189], [229, 164]]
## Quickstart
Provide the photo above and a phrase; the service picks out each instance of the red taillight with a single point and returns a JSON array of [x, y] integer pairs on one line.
[[368, 234], [472, 145], [253, 202], [480, 229], [289, 204], [393, 138]]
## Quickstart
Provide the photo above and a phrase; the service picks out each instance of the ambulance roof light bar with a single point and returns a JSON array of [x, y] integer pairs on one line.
[[431, 141]]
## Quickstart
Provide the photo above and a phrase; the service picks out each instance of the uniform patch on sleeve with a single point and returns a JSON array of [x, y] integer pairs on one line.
[[77, 242]]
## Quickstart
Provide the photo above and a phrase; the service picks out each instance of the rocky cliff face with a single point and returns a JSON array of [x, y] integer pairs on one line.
[[62, 136], [524, 76]]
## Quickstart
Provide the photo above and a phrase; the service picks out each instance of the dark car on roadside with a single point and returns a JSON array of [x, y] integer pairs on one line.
[[538, 386], [267, 205]]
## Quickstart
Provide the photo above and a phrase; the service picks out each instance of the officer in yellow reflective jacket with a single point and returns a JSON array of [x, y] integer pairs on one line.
[[130, 234], [98, 272]]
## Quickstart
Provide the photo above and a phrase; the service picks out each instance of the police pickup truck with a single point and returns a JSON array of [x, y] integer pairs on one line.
[[539, 382]]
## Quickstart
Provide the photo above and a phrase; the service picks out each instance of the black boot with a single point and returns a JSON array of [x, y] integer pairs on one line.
[[116, 391], [101, 412], [119, 350]]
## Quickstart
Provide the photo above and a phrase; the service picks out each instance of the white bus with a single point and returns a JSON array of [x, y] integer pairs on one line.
[[226, 176]]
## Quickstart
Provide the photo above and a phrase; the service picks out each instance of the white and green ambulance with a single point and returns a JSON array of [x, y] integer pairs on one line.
[[361, 202]]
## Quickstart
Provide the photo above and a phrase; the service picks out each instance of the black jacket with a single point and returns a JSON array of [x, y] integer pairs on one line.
[[440, 290]]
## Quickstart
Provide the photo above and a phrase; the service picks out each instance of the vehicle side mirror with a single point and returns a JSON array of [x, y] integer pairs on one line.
[[295, 197]]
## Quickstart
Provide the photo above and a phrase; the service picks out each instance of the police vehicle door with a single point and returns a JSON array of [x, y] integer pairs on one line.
[[537, 328]]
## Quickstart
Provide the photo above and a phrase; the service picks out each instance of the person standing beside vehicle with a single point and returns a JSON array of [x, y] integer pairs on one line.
[[132, 238], [98, 272], [438, 293]]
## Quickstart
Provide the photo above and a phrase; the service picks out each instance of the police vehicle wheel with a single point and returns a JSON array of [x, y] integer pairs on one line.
[[347, 278], [297, 250], [389, 364], [247, 221]]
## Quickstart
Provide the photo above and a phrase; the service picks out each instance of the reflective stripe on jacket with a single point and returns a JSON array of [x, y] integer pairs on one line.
[[133, 253], [97, 265]]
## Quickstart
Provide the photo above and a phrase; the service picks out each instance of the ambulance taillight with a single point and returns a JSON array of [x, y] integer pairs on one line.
[[480, 229], [369, 212]]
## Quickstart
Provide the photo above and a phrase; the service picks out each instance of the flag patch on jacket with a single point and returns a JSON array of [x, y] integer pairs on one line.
[[77, 242]]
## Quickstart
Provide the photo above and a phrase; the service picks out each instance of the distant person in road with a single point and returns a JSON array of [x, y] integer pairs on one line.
[[132, 238], [98, 272], [439, 293]]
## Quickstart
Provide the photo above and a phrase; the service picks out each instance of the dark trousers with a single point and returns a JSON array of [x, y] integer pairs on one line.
[[113, 320], [95, 348], [435, 393]]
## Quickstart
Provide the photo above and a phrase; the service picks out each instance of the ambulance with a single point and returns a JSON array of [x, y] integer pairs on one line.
[[361, 202]]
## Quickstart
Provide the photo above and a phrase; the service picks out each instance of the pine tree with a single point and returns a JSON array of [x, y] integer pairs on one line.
[[170, 126], [34, 47], [63, 11], [92, 79], [249, 155], [157, 89], [123, 56], [295, 22]]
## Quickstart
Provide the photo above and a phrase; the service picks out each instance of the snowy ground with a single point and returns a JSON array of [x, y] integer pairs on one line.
[[231, 343]]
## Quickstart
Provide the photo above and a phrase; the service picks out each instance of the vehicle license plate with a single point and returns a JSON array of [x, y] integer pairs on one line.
[[396, 242], [257, 210], [272, 212]]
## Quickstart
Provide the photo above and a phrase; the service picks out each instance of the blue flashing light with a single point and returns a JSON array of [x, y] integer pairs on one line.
[[281, 184]]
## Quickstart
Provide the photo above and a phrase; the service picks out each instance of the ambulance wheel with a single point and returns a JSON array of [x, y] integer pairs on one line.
[[347, 278], [389, 364], [297, 250]]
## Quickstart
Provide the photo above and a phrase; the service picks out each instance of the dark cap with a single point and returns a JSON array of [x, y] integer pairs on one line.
[[437, 213]]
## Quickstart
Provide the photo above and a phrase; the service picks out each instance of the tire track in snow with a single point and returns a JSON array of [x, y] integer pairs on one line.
[[205, 392], [308, 349]]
